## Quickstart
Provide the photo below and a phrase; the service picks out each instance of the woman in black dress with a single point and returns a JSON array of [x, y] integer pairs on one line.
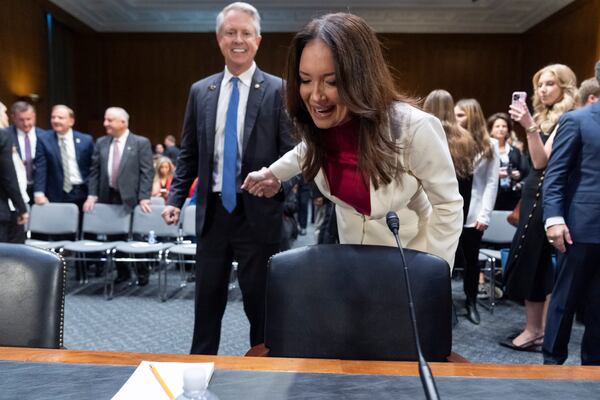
[[529, 275]]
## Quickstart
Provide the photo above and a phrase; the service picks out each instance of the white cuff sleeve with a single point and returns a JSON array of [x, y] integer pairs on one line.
[[554, 221]]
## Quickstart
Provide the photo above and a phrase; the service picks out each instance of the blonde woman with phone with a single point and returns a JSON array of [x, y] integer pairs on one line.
[[529, 275]]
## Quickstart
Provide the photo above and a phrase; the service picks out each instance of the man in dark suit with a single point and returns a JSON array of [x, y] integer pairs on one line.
[[234, 123], [121, 173], [25, 135], [63, 159], [572, 215], [171, 149], [9, 190]]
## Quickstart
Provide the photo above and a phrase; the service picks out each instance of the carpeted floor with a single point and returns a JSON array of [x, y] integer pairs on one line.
[[135, 320]]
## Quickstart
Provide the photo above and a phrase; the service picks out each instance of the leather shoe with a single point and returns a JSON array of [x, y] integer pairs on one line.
[[143, 280], [530, 345], [472, 313]]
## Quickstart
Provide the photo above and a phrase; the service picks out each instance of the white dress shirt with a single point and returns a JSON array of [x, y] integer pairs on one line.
[[223, 104], [121, 146], [21, 178]]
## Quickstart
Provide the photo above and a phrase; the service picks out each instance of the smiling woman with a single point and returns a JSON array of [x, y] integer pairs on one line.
[[366, 146]]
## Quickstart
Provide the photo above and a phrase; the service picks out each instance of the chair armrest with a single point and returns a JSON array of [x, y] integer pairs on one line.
[[260, 350]]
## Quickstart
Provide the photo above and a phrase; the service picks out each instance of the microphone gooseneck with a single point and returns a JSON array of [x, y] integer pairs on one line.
[[429, 387]]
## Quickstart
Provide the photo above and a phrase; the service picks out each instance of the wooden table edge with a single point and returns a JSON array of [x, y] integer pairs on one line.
[[513, 371]]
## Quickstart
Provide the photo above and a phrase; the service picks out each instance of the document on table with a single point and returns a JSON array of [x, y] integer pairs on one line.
[[143, 384]]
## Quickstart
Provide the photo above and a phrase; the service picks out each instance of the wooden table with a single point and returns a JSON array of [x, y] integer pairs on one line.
[[308, 365]]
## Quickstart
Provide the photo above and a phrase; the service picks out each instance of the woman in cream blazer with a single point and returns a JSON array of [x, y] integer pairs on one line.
[[426, 198], [363, 138]]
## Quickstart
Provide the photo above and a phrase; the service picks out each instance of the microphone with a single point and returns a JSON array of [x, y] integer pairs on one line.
[[429, 387]]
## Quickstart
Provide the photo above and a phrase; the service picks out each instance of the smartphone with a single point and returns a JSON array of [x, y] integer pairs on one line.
[[518, 97]]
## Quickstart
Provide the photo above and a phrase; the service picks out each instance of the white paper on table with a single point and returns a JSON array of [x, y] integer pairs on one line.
[[142, 384]]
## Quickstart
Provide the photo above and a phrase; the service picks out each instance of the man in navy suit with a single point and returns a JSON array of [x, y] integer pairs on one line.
[[572, 215], [25, 135], [234, 123], [62, 162]]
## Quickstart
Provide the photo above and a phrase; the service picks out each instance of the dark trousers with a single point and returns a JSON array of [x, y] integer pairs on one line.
[[577, 283], [304, 195], [227, 237], [77, 195], [10, 232], [470, 241]]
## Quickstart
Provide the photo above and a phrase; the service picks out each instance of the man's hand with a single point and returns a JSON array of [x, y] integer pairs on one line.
[[262, 183], [40, 200], [170, 215], [145, 206], [22, 219], [89, 204], [558, 235], [480, 226]]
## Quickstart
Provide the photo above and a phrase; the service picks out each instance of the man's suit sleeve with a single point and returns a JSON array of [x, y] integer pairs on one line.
[[565, 151], [146, 170], [94, 177], [41, 168], [8, 175], [187, 161]]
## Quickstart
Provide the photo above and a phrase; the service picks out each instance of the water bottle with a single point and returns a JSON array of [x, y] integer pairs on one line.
[[151, 237], [195, 384]]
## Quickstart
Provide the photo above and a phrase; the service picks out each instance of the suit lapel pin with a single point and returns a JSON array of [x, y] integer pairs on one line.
[[77, 140], [212, 87], [128, 148], [257, 86]]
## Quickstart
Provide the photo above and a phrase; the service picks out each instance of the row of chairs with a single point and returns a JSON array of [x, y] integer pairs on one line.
[[113, 221]]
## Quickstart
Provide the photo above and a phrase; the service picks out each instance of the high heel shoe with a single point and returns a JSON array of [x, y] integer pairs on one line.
[[532, 345], [472, 313]]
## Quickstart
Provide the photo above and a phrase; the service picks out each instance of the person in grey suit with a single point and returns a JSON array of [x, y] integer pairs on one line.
[[9, 190], [234, 123], [572, 221], [121, 173]]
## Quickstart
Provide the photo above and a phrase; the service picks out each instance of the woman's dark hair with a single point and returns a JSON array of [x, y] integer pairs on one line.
[[503, 116], [364, 84]]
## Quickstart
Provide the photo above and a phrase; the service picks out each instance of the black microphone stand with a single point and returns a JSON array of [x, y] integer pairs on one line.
[[429, 387]]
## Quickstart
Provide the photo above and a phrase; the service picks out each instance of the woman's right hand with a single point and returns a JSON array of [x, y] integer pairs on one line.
[[262, 183], [520, 113]]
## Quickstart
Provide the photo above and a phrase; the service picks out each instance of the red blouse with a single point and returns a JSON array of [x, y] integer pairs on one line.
[[341, 167]]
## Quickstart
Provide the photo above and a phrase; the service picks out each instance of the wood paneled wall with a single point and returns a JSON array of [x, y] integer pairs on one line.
[[23, 54], [149, 74], [571, 37]]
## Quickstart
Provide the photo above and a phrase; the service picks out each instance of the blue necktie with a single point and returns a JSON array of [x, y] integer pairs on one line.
[[228, 189]]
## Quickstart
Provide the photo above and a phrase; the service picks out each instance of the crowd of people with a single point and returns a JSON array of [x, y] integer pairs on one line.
[[341, 133]]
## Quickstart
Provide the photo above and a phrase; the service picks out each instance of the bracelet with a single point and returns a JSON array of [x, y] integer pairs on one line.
[[532, 129]]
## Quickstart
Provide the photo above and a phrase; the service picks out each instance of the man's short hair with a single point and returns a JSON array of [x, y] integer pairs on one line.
[[21, 107], [170, 138], [243, 7], [588, 87], [598, 71], [69, 109], [119, 112]]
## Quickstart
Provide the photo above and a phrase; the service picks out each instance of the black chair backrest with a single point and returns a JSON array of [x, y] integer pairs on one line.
[[349, 302], [32, 297]]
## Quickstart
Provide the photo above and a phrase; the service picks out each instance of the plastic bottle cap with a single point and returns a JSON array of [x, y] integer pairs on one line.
[[194, 380]]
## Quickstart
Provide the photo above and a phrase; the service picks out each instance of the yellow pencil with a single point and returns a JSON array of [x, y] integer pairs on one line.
[[162, 382]]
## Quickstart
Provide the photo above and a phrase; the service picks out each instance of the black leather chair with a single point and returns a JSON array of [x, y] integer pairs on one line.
[[32, 297], [349, 302]]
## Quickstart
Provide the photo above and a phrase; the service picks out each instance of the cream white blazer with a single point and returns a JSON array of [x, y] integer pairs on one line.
[[426, 197]]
